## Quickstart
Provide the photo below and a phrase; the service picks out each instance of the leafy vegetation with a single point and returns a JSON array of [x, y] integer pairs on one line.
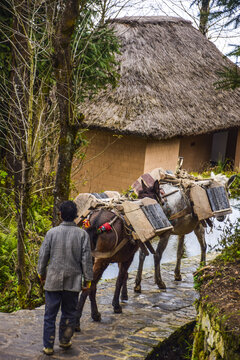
[[229, 243], [39, 215]]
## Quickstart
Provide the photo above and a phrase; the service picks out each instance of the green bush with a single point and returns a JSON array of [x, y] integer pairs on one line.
[[39, 222], [229, 242]]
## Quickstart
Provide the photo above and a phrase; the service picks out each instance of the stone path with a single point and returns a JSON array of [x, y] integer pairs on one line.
[[147, 318]]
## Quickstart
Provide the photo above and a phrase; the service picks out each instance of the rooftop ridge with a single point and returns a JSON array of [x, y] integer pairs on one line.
[[155, 20]]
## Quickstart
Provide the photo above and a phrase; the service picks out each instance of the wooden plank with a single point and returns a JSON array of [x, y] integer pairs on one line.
[[222, 212], [201, 206], [218, 198], [138, 220], [156, 216]]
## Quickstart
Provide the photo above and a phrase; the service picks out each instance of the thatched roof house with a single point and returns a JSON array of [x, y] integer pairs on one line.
[[167, 90]]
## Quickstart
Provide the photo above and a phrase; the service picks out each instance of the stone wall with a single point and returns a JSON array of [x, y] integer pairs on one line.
[[212, 340]]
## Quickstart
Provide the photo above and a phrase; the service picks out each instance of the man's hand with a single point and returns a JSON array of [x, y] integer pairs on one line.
[[42, 279], [86, 286]]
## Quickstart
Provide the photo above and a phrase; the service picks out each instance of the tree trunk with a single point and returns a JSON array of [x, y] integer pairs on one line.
[[66, 150], [22, 201], [63, 66], [204, 16], [19, 114]]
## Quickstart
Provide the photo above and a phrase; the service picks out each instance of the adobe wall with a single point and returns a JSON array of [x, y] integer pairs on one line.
[[111, 163], [162, 154], [237, 154], [196, 151]]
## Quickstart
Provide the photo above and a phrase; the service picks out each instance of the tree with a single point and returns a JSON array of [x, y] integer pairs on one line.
[[229, 9], [199, 13], [59, 53], [24, 124], [84, 62]]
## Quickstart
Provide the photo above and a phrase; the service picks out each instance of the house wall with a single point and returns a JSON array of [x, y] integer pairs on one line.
[[111, 163], [115, 162], [237, 153], [196, 151], [162, 154]]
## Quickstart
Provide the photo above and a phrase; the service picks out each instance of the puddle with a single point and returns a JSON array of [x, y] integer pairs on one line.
[[192, 247]]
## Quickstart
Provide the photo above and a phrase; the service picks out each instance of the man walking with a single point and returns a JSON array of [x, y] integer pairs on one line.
[[64, 259]]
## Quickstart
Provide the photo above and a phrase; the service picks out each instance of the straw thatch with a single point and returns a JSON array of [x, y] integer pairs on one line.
[[168, 70]]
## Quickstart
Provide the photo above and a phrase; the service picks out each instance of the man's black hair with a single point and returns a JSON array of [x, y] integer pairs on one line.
[[68, 210]]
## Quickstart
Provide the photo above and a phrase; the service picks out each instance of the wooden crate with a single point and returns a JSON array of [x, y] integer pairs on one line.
[[209, 202], [201, 206], [146, 217], [218, 200]]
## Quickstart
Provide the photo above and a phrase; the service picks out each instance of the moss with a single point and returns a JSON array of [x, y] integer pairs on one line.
[[212, 338], [198, 344]]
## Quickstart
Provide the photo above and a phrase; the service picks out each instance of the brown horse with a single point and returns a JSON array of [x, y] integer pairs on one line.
[[115, 246]]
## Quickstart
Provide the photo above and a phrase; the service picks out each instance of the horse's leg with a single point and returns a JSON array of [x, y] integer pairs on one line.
[[124, 293], [157, 259], [123, 270], [137, 287], [200, 233], [79, 310], [98, 269], [180, 251]]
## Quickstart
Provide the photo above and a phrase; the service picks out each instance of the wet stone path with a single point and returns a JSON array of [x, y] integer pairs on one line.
[[147, 319]]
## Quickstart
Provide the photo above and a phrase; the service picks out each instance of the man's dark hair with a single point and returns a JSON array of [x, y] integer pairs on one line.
[[68, 210]]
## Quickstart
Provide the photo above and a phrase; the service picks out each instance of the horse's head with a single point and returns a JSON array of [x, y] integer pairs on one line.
[[152, 192], [223, 180]]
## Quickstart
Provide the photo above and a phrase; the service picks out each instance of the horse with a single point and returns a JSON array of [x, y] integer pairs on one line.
[[179, 209], [115, 246]]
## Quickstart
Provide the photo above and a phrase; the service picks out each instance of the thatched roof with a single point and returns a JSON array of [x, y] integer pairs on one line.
[[168, 70]]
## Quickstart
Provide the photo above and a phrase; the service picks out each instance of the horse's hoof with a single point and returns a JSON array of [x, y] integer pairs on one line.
[[124, 297], [178, 278], [137, 289], [117, 310], [161, 286], [96, 317]]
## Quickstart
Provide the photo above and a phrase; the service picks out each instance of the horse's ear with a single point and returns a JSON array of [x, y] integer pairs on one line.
[[144, 186], [156, 186], [231, 180]]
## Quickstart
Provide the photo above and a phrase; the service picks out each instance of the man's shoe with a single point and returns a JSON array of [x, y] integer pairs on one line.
[[48, 351], [65, 345]]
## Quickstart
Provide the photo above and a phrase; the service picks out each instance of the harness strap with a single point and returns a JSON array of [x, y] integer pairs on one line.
[[179, 214], [109, 254]]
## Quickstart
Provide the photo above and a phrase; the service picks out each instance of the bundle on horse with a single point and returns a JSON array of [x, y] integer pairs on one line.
[[177, 205]]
